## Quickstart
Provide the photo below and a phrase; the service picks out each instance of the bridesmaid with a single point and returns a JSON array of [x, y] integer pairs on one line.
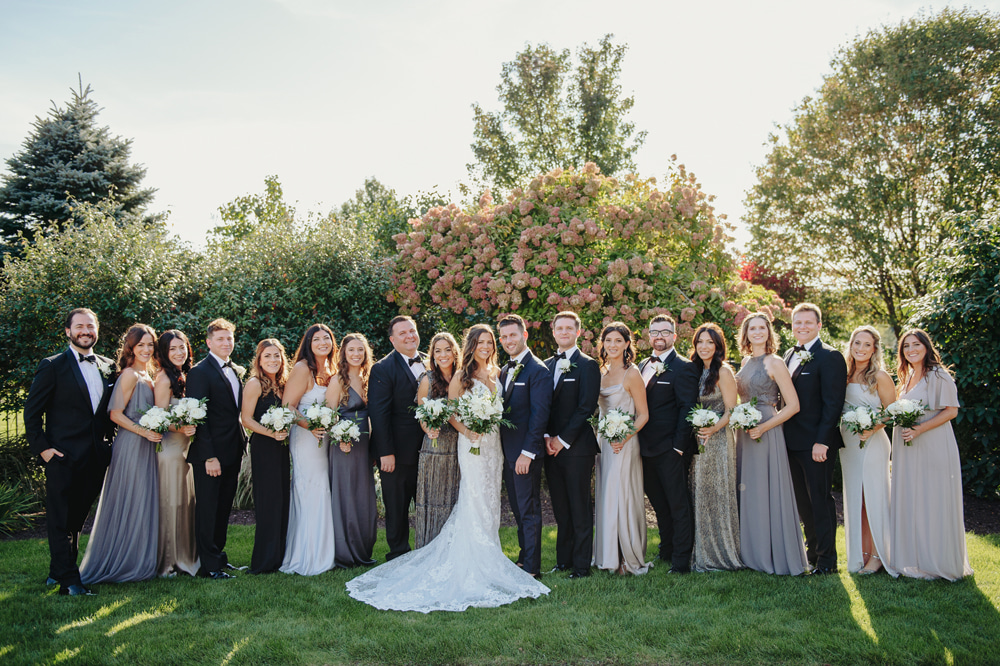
[[352, 483], [927, 519], [620, 536], [309, 548], [713, 480], [269, 458], [438, 475], [178, 551], [770, 536], [866, 470], [123, 541]]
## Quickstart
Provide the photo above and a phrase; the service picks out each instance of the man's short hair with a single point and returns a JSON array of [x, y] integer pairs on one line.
[[808, 307], [220, 325], [74, 312], [661, 318], [398, 318], [568, 314], [512, 320]]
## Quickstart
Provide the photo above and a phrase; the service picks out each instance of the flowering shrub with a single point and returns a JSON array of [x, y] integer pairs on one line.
[[577, 240]]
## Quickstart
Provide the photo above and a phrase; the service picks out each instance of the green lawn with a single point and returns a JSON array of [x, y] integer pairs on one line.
[[719, 618]]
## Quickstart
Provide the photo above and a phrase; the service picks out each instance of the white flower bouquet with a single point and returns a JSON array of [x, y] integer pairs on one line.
[[905, 413], [859, 419], [279, 418], [481, 412], [434, 414], [156, 419], [345, 431], [188, 411], [745, 416], [702, 417], [616, 425]]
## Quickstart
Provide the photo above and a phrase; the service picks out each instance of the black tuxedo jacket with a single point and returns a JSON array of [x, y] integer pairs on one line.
[[669, 398], [526, 404], [392, 392], [821, 385], [574, 400], [59, 393], [221, 435]]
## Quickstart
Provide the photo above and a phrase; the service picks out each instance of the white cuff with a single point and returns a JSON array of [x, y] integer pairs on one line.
[[527, 453], [561, 441]]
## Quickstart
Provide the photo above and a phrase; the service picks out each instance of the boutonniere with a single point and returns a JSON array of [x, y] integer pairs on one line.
[[659, 368], [105, 369], [565, 365], [516, 371], [803, 356], [240, 371]]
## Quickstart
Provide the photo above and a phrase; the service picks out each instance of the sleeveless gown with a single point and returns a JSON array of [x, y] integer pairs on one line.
[[437, 481], [309, 548], [713, 487], [177, 550], [770, 536], [927, 516], [621, 513], [352, 491], [123, 542], [464, 566], [866, 479], [270, 465]]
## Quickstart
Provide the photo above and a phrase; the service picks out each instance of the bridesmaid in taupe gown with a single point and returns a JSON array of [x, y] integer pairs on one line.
[[176, 552]]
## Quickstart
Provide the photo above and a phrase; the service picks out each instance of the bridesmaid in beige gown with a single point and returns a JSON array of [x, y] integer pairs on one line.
[[926, 514], [177, 549], [620, 537]]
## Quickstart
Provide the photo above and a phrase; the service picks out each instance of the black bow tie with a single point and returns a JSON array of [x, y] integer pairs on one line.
[[799, 348], [88, 359], [415, 360], [228, 364], [561, 355], [511, 364]]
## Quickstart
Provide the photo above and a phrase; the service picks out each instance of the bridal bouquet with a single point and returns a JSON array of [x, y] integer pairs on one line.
[[860, 419], [434, 413], [156, 419], [278, 418], [745, 416], [345, 431], [615, 425], [188, 411], [905, 413], [319, 415], [701, 417], [481, 413]]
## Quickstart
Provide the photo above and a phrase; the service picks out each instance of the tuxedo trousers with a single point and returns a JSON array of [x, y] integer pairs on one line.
[[524, 492], [71, 487], [399, 489], [570, 481], [665, 480], [214, 497], [812, 482]]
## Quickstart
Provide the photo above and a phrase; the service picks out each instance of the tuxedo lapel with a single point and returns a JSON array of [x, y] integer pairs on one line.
[[74, 367], [405, 365], [229, 384], [562, 377]]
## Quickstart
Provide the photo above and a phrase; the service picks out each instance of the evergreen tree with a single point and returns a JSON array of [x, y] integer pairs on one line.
[[67, 158]]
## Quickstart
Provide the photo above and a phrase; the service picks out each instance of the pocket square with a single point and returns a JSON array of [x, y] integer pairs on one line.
[[568, 379], [664, 383], [802, 374], [518, 383]]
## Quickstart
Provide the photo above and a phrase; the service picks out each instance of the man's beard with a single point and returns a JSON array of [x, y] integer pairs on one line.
[[659, 346], [86, 346]]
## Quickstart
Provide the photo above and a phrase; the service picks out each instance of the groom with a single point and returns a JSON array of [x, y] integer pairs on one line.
[[71, 391], [217, 448], [527, 387]]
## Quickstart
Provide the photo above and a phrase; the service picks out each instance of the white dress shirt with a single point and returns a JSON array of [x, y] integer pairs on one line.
[[229, 374], [793, 364], [417, 368], [91, 375], [556, 374]]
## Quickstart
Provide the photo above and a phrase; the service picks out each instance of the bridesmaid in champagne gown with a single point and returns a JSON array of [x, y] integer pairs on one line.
[[352, 483], [123, 542], [927, 517], [620, 534], [177, 552], [770, 536], [713, 479], [865, 463]]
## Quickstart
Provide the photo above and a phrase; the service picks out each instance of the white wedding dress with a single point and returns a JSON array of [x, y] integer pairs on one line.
[[464, 566]]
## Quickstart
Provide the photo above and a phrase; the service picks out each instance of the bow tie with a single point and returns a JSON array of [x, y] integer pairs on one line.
[[560, 355], [511, 364], [88, 359], [415, 360], [799, 348], [228, 364]]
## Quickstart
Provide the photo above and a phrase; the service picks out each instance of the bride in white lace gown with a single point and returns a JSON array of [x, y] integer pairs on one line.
[[464, 566]]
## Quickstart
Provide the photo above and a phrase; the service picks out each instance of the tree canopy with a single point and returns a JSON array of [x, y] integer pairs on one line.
[[905, 129]]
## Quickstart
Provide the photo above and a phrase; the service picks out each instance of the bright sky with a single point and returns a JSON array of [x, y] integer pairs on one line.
[[217, 95]]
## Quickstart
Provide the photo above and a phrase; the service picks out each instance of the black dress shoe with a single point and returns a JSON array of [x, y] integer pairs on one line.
[[232, 568], [76, 591], [680, 570], [51, 581], [822, 571], [219, 575], [559, 567], [579, 574]]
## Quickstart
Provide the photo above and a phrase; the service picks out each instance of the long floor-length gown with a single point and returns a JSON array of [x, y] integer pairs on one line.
[[437, 481], [620, 534], [770, 536], [713, 487], [352, 491], [309, 548], [270, 464], [465, 565], [866, 479], [123, 542], [177, 551], [927, 517]]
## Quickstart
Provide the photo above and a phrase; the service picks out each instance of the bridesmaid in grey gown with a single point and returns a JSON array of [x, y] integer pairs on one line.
[[123, 542], [713, 479], [352, 483], [770, 536]]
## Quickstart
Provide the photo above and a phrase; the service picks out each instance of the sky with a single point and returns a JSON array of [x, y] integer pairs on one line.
[[218, 95]]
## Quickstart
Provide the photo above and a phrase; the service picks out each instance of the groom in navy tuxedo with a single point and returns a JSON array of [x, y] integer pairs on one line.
[[527, 387], [67, 426]]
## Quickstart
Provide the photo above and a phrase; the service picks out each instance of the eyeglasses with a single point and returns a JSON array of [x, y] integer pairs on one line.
[[660, 334]]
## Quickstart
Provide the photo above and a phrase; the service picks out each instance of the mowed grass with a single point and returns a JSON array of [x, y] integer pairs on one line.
[[716, 618]]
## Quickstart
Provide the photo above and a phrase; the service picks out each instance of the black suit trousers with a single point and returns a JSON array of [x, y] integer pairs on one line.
[[70, 491], [214, 497], [817, 510], [665, 479], [570, 480], [399, 489], [524, 491]]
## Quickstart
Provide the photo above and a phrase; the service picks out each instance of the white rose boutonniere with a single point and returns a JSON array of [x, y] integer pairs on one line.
[[564, 365], [803, 356], [659, 368], [240, 371], [105, 369]]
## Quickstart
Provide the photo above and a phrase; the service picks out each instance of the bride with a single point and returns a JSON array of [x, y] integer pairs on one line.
[[464, 565]]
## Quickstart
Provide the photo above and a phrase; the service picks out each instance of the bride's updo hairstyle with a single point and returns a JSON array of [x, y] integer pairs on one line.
[[469, 361]]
